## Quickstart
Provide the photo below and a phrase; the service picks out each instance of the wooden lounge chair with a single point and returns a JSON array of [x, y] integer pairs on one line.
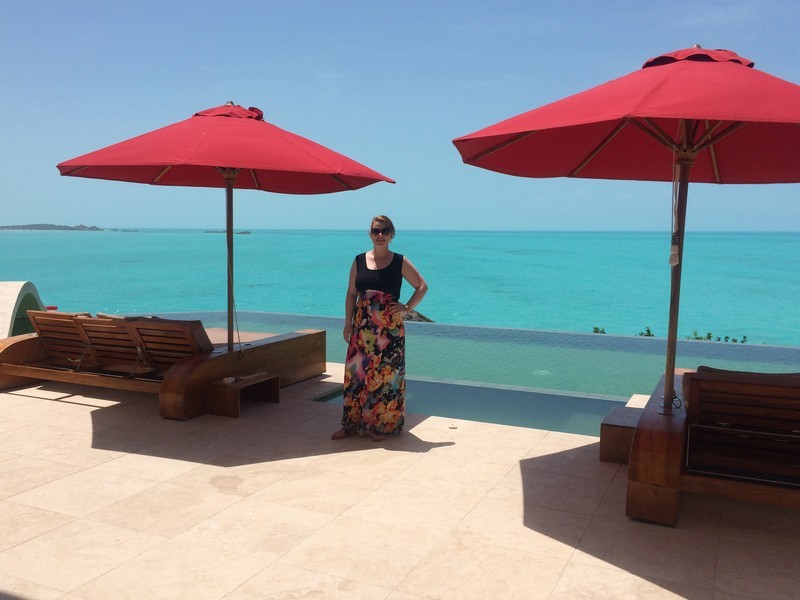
[[60, 339], [163, 342], [171, 358], [113, 345], [737, 435]]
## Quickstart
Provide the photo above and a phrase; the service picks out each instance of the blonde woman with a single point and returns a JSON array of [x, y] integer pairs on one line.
[[374, 376]]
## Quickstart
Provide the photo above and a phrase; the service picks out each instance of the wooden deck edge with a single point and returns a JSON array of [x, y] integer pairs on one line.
[[654, 468], [185, 389], [761, 493], [81, 378], [296, 356]]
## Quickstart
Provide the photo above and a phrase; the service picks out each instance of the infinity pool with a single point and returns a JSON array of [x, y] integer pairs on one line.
[[496, 375]]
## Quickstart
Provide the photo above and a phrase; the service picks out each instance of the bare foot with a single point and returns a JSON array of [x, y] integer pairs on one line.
[[377, 437], [341, 434]]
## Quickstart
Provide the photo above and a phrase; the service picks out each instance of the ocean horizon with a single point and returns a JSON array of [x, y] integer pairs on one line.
[[736, 285]]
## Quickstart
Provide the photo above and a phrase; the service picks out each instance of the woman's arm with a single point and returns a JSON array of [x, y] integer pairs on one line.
[[417, 281], [350, 304]]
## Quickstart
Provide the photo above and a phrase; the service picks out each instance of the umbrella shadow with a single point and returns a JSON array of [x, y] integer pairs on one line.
[[576, 500], [128, 422]]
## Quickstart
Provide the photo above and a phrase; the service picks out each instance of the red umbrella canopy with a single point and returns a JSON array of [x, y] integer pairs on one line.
[[227, 147], [690, 115], [630, 128], [191, 152]]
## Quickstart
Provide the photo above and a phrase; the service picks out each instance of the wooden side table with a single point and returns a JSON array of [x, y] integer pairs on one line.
[[226, 396]]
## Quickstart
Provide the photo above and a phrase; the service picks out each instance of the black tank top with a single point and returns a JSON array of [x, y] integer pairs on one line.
[[388, 279]]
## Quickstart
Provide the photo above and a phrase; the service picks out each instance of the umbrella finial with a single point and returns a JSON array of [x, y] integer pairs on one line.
[[230, 103], [697, 47]]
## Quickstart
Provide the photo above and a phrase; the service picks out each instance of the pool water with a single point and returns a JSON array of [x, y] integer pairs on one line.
[[550, 411], [545, 379]]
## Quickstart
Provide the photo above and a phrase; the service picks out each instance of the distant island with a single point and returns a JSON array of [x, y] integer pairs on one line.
[[46, 227]]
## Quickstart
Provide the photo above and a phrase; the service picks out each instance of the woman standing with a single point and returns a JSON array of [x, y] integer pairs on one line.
[[374, 373]]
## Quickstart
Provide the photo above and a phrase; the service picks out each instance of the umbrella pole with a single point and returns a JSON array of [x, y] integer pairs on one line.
[[684, 164], [229, 175], [229, 240]]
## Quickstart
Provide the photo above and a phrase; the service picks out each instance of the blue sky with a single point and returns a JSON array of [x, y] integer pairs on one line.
[[389, 84]]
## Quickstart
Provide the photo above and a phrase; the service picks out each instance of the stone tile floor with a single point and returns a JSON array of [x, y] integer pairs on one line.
[[101, 499]]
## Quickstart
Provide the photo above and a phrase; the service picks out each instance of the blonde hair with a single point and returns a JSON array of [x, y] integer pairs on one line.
[[384, 220]]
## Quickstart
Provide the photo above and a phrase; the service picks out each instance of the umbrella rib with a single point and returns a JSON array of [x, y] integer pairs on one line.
[[341, 181], [597, 149], [162, 173], [705, 142], [75, 170], [712, 151], [500, 146], [655, 132], [255, 179], [709, 143], [708, 134], [714, 164]]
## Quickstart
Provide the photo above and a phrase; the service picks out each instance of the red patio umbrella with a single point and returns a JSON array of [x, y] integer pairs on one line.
[[693, 115], [228, 147]]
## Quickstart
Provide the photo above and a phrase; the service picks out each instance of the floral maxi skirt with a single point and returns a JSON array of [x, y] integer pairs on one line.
[[375, 369]]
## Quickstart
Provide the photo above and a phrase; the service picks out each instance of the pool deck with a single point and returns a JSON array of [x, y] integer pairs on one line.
[[102, 499]]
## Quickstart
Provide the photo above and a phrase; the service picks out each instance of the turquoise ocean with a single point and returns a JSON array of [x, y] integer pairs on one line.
[[734, 284], [514, 310]]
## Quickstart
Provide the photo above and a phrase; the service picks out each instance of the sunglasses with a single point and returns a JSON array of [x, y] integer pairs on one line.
[[380, 230]]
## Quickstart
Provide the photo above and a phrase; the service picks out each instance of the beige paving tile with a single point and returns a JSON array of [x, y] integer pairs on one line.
[[373, 461], [20, 523], [404, 596], [345, 546], [455, 473], [82, 492], [165, 509], [243, 477], [43, 391], [420, 506], [9, 424], [296, 450], [463, 570], [28, 439], [84, 452], [761, 563], [173, 570], [60, 410], [153, 467], [650, 551], [590, 582], [578, 455], [323, 491], [151, 429], [257, 528], [699, 513], [268, 506], [74, 554], [22, 473], [472, 439], [505, 523], [320, 426], [560, 491], [480, 450], [14, 588], [284, 582], [612, 505], [741, 519]]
